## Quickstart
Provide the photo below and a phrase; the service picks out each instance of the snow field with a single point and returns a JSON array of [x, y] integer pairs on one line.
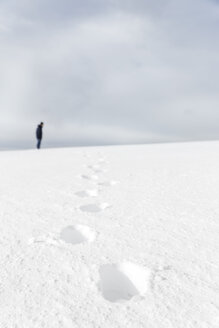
[[136, 246]]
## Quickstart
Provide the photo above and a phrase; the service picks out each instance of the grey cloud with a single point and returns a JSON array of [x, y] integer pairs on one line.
[[113, 72], [68, 9]]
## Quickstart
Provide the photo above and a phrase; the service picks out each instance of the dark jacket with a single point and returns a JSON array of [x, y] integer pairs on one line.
[[39, 132]]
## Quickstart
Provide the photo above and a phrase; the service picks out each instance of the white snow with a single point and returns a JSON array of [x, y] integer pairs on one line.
[[124, 236]]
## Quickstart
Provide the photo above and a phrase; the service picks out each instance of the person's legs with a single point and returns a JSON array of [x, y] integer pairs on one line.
[[38, 143]]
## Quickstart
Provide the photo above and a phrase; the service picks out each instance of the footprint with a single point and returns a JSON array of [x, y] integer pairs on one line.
[[101, 160], [108, 183], [123, 281], [94, 208], [99, 171], [96, 169], [87, 193], [89, 177], [77, 234]]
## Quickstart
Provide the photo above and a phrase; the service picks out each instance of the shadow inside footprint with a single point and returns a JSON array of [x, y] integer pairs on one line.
[[87, 193], [77, 234], [89, 177], [81, 194], [108, 183], [122, 282], [93, 208]]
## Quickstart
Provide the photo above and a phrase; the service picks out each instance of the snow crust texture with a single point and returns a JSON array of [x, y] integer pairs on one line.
[[110, 237]]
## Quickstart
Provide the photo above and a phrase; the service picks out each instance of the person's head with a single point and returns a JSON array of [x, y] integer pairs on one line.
[[41, 124]]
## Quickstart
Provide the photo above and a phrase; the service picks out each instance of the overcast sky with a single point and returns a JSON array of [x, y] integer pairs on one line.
[[108, 71]]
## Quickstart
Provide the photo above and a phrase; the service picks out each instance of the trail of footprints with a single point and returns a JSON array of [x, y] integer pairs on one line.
[[117, 282]]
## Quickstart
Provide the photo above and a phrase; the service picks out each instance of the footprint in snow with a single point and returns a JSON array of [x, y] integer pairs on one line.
[[99, 171], [72, 234], [121, 282], [77, 234], [96, 169], [94, 208], [108, 183], [89, 177], [102, 160], [87, 193]]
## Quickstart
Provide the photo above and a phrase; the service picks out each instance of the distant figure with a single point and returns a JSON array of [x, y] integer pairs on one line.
[[39, 134]]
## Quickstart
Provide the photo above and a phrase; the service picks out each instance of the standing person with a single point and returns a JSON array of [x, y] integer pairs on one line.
[[39, 134]]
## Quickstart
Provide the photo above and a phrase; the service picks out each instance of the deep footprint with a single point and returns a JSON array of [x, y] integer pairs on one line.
[[94, 208], [96, 169], [89, 177], [122, 282], [108, 183], [102, 160], [87, 193], [77, 234]]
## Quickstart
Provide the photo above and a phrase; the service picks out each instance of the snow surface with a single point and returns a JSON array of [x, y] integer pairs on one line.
[[123, 236]]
